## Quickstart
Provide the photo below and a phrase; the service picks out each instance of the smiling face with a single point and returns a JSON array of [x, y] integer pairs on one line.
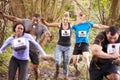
[[35, 20], [65, 20], [66, 17]]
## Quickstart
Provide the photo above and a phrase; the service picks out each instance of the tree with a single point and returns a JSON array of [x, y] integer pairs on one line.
[[114, 13], [3, 26], [18, 8], [107, 11], [51, 10]]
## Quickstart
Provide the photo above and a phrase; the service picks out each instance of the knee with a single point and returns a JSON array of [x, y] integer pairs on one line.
[[75, 60], [35, 66], [85, 58], [75, 63]]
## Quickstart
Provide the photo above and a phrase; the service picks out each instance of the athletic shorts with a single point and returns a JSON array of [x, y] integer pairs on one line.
[[34, 57], [98, 74], [80, 48]]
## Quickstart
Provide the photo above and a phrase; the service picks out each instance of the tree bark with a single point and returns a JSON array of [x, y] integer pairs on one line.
[[114, 13], [4, 6], [18, 8]]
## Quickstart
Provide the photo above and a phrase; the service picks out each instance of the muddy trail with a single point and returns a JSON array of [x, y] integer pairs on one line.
[[47, 71]]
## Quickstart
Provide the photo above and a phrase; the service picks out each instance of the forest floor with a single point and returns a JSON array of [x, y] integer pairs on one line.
[[47, 71]]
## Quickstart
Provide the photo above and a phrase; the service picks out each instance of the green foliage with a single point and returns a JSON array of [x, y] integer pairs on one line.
[[50, 46], [5, 57], [70, 8], [101, 10], [118, 22], [93, 34]]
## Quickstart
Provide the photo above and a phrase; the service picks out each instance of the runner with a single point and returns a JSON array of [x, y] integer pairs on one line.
[[36, 29], [20, 44], [106, 57]]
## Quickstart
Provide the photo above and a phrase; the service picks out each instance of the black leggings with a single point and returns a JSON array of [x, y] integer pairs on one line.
[[21, 65]]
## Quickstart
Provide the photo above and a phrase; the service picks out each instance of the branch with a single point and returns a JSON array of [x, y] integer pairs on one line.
[[61, 9], [80, 6], [86, 12], [99, 9]]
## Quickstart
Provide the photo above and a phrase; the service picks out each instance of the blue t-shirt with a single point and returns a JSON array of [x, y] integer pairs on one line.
[[82, 31]]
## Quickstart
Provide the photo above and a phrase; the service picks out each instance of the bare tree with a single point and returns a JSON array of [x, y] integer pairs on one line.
[[17, 7], [109, 12], [3, 8]]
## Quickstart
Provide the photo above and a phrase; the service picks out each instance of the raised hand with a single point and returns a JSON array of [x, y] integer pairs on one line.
[[46, 57], [42, 20]]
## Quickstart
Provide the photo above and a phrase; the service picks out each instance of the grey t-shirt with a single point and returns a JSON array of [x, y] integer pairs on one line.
[[36, 31]]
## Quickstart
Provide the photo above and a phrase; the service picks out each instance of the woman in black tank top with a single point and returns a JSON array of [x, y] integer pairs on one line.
[[63, 47]]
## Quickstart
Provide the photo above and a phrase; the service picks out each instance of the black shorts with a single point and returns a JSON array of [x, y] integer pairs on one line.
[[80, 48], [98, 74], [34, 58]]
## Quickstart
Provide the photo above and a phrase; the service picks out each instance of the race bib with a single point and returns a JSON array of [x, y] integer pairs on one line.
[[65, 32], [19, 44], [82, 33], [113, 48]]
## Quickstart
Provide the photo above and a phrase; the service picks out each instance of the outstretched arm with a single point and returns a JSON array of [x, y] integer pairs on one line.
[[50, 24], [5, 45], [31, 39], [12, 18], [100, 26]]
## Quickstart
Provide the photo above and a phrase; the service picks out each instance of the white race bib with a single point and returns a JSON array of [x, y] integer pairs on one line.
[[19, 44], [113, 47], [82, 33], [65, 32]]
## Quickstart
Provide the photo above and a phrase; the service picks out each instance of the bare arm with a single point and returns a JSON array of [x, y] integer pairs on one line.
[[97, 51], [50, 24], [100, 26], [12, 18]]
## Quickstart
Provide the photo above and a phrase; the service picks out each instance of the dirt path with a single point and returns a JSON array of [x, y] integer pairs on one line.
[[47, 70]]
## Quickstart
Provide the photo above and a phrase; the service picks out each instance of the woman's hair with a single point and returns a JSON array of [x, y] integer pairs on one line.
[[66, 14], [18, 23]]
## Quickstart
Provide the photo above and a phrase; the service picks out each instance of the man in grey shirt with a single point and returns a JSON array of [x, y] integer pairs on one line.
[[36, 29]]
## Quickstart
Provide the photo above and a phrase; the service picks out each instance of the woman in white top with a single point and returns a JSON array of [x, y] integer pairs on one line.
[[20, 44]]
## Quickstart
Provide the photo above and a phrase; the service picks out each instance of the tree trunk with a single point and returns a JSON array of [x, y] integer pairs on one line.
[[114, 13], [4, 6], [18, 8]]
